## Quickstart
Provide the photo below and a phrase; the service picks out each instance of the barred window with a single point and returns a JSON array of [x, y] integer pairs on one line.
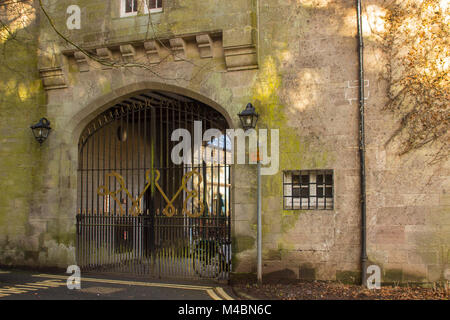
[[308, 190]]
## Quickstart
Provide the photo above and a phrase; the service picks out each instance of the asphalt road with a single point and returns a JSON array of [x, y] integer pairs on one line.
[[28, 285]]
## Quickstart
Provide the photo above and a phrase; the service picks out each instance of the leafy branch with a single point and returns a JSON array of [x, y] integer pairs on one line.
[[417, 43]]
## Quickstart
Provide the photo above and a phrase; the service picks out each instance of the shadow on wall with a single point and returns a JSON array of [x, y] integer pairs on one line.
[[21, 96]]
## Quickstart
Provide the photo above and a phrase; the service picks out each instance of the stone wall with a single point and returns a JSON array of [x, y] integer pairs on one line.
[[296, 61]]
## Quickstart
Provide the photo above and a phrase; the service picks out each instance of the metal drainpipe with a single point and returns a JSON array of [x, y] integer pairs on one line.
[[362, 147], [258, 45], [259, 197], [259, 221]]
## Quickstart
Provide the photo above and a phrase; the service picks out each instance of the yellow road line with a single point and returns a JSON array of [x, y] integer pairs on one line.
[[1, 271], [135, 283], [216, 293], [51, 283], [12, 290], [25, 287], [223, 293], [37, 285], [213, 295]]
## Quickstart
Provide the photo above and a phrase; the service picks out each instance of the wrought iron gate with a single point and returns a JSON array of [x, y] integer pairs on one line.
[[137, 210]]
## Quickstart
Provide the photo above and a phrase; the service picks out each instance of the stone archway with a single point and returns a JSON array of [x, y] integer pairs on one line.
[[94, 107]]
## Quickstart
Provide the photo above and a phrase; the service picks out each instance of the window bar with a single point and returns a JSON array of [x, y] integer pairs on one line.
[[87, 206], [116, 228], [332, 190], [184, 243], [323, 188], [84, 196], [185, 217], [300, 190], [168, 184], [91, 211], [161, 203], [166, 187], [211, 222], [96, 228], [134, 189], [218, 207], [138, 220], [317, 190], [111, 166], [161, 215], [126, 159], [145, 229], [308, 184], [117, 146], [170, 126], [101, 205], [133, 195], [227, 205], [192, 221], [79, 216]]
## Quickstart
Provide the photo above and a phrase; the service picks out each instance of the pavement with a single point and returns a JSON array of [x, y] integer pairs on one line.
[[35, 285]]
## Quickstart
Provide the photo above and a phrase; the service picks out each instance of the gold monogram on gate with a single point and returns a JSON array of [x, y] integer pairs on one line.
[[169, 210]]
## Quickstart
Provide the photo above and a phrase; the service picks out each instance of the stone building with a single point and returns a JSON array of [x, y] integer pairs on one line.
[[296, 61]]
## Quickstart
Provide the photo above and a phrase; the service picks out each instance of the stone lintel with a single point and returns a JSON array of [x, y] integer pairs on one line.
[[128, 52], [238, 55], [152, 49], [104, 54], [53, 78], [177, 46], [242, 57], [82, 61], [204, 43]]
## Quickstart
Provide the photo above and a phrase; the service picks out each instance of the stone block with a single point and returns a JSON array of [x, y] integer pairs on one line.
[[128, 52], [82, 61], [106, 56], [204, 43], [422, 257], [307, 272], [177, 46], [389, 234], [53, 78], [348, 276], [240, 57]]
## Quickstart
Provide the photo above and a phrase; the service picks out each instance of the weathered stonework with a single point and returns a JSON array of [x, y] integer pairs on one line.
[[53, 78], [296, 61]]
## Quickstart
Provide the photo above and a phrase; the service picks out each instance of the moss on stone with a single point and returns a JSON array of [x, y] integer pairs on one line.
[[21, 95], [297, 151], [273, 255], [348, 276], [242, 243], [393, 275]]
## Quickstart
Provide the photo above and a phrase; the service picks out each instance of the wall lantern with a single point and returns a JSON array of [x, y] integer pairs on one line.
[[41, 130], [248, 117]]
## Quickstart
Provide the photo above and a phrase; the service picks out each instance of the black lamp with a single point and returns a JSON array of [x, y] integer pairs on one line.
[[41, 130], [248, 117]]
